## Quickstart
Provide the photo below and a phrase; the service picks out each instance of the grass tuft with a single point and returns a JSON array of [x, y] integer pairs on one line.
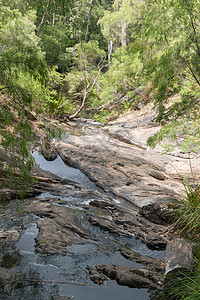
[[187, 212]]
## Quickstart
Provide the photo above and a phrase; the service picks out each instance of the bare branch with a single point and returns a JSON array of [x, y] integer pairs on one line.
[[88, 90]]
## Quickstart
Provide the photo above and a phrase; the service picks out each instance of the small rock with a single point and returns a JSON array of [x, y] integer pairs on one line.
[[135, 278], [50, 154], [152, 263], [157, 175], [95, 276]]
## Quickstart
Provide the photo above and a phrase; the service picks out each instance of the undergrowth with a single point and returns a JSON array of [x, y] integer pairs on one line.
[[186, 218]]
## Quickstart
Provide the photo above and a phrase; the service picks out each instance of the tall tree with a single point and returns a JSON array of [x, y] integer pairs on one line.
[[22, 63]]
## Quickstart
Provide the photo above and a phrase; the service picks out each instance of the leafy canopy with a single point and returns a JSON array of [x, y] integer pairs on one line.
[[22, 64]]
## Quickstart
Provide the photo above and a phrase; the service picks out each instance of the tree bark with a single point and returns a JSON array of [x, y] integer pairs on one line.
[[43, 18], [88, 21], [110, 46], [123, 36]]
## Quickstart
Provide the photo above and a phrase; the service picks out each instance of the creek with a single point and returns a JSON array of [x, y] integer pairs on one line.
[[57, 276]]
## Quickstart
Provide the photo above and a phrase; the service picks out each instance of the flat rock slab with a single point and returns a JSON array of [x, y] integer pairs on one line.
[[60, 228], [120, 168], [8, 236], [118, 160]]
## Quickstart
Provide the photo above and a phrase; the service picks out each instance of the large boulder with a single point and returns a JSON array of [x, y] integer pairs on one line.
[[179, 258]]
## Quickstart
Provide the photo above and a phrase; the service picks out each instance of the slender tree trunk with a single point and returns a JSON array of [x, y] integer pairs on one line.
[[88, 21], [110, 46], [54, 18], [53, 23], [43, 18], [123, 36]]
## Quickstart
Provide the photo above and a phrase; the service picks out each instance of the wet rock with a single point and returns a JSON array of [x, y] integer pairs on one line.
[[96, 277], [127, 222], [60, 228], [159, 213], [152, 263], [7, 280], [108, 225], [135, 278], [179, 257], [7, 194]]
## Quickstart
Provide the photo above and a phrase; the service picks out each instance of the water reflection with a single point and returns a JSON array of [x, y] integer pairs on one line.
[[59, 168]]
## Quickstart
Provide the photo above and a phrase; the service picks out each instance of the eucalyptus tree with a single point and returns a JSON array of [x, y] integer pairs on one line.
[[117, 24]]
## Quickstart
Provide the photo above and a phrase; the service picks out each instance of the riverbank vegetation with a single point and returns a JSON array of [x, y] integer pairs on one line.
[[185, 285]]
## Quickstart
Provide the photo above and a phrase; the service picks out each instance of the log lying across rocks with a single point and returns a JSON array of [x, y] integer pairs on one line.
[[179, 258]]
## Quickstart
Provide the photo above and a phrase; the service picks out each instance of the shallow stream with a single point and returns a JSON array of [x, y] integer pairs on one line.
[[49, 276]]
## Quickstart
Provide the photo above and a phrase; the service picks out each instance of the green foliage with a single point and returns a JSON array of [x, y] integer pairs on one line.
[[22, 66], [103, 115], [185, 286], [186, 216], [54, 42], [121, 78], [20, 53], [172, 37], [124, 11], [88, 55], [187, 212], [86, 61], [182, 131]]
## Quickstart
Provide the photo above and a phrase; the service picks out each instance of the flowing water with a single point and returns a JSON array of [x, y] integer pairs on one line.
[[45, 276]]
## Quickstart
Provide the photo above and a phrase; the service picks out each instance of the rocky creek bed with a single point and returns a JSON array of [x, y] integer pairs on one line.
[[99, 234]]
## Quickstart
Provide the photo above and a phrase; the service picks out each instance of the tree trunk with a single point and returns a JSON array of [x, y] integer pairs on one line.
[[88, 21], [43, 18], [123, 36], [87, 91], [110, 46]]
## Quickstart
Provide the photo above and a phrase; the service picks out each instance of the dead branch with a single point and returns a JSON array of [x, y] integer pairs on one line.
[[87, 91]]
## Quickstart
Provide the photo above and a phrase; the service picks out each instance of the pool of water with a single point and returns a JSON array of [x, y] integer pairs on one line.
[[59, 168]]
